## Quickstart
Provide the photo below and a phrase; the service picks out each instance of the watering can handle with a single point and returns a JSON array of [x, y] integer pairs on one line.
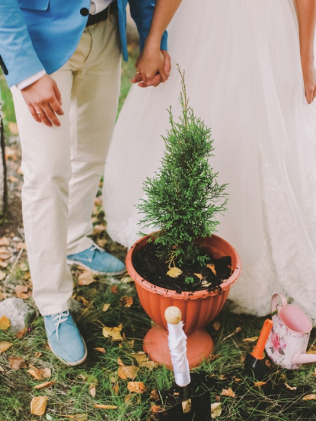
[[303, 359], [274, 302]]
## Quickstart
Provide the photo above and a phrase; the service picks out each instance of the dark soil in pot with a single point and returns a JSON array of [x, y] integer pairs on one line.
[[193, 277]]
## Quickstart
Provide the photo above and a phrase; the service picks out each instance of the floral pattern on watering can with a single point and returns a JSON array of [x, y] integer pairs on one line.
[[283, 343]]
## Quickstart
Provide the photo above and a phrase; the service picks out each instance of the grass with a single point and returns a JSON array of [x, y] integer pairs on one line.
[[70, 395]]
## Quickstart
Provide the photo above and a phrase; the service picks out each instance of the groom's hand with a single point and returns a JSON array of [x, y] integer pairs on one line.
[[43, 99], [152, 68]]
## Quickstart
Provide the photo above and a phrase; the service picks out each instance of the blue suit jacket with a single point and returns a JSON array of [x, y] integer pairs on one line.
[[43, 34]]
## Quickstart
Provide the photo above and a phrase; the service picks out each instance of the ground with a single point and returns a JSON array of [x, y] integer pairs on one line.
[[103, 302]]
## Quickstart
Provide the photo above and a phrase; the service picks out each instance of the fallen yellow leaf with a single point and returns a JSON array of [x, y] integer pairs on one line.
[[252, 339], [4, 346], [127, 372], [139, 356], [100, 350], [149, 364], [2, 275], [290, 387], [112, 332], [21, 291], [92, 389], [21, 333], [86, 278], [4, 323], [137, 387], [106, 307], [311, 397], [126, 301], [174, 272], [199, 275], [105, 406], [17, 362], [228, 392], [46, 384], [216, 409], [35, 373], [216, 326], [38, 405], [259, 384], [156, 409]]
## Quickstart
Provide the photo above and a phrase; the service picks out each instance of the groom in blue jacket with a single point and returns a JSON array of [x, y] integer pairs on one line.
[[62, 62]]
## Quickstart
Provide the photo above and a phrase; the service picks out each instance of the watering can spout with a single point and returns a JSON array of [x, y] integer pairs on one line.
[[304, 358]]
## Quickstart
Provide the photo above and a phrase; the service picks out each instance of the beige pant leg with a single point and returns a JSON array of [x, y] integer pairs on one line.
[[94, 106], [58, 162]]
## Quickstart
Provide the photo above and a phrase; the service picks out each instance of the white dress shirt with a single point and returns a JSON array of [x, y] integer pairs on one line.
[[96, 6]]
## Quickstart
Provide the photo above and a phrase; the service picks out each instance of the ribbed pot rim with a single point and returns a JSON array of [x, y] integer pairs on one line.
[[185, 295]]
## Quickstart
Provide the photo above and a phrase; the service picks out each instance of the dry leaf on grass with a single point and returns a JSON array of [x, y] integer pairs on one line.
[[132, 399], [126, 301], [112, 332], [105, 406], [85, 278], [4, 241], [21, 291], [140, 356], [39, 373], [137, 387], [100, 350], [237, 330], [80, 417], [4, 346], [21, 333], [4, 323], [216, 409], [116, 389], [222, 377], [4, 254], [154, 395], [228, 392], [216, 326], [83, 300], [290, 387], [311, 397], [35, 373], [37, 354], [174, 272], [150, 365], [92, 389], [155, 409], [46, 372], [2, 275], [199, 275], [46, 384], [1, 368], [3, 264], [252, 339], [127, 372], [312, 350], [259, 384], [17, 362], [114, 289], [106, 307], [38, 405]]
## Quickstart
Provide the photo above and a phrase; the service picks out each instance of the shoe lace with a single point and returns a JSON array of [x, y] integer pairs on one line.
[[59, 318], [95, 248]]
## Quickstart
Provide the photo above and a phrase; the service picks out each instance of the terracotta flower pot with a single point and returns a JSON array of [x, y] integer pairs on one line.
[[198, 308]]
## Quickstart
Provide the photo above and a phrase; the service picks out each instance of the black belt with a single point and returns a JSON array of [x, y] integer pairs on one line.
[[92, 19]]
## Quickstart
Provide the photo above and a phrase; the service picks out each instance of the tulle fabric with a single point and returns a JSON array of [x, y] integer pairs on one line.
[[243, 75]]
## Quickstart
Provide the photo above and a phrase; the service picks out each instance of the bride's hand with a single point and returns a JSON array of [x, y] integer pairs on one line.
[[152, 67], [309, 75]]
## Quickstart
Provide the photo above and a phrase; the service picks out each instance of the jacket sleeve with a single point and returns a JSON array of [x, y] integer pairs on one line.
[[16, 49], [142, 14]]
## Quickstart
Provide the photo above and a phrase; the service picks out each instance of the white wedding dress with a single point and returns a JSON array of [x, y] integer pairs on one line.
[[243, 75]]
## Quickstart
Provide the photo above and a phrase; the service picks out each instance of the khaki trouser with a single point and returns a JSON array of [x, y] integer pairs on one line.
[[62, 165]]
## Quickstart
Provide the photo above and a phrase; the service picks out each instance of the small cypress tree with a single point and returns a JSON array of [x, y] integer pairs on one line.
[[183, 196]]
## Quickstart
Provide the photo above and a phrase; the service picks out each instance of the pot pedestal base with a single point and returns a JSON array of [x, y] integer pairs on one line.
[[199, 346]]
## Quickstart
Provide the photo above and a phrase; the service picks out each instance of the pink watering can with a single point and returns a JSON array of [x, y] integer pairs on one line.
[[288, 339]]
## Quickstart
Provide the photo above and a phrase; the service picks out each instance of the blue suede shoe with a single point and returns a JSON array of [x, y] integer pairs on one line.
[[64, 338], [97, 261]]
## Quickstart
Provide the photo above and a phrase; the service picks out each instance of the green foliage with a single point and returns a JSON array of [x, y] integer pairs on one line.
[[183, 197]]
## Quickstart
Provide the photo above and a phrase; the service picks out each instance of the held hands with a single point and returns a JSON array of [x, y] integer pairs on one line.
[[44, 101], [152, 67], [309, 75]]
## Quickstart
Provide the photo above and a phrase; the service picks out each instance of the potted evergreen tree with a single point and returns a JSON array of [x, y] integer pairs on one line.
[[183, 264]]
